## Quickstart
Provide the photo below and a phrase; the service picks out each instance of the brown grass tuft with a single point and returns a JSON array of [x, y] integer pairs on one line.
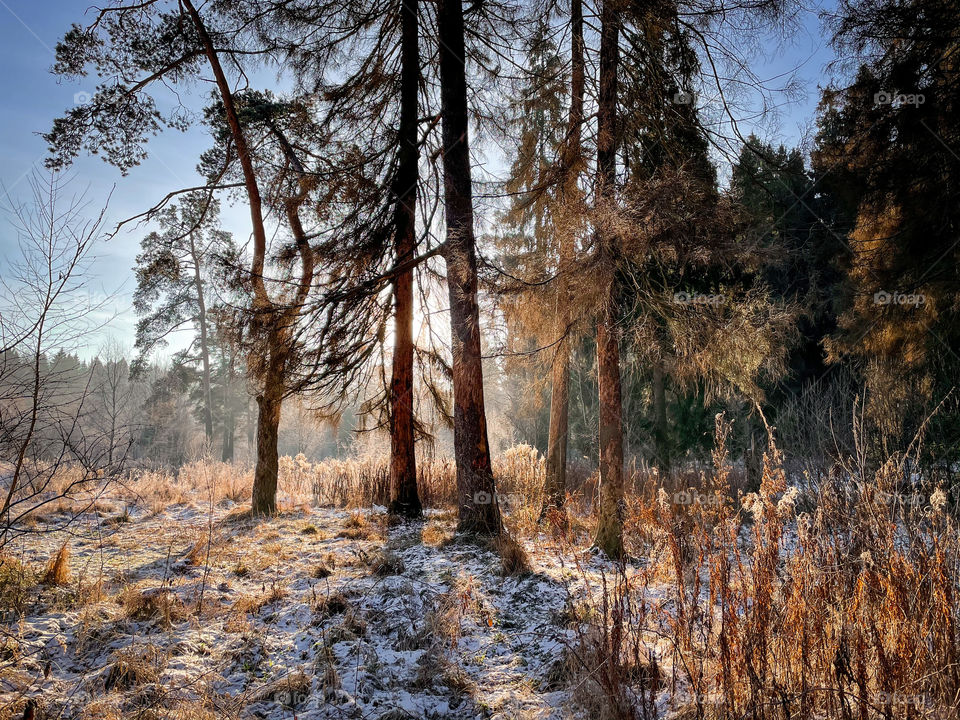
[[134, 666], [513, 557], [384, 563], [290, 691], [157, 604], [58, 569]]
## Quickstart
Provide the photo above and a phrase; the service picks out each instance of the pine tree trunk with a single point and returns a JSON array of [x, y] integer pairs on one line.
[[610, 525], [609, 537], [269, 403], [229, 431], [251, 425], [204, 342], [229, 416], [403, 464], [555, 486], [478, 508], [660, 418]]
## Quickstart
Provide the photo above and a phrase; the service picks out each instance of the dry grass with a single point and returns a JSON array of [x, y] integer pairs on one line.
[[58, 569], [846, 611], [134, 666], [16, 579], [513, 557], [251, 604], [206, 546], [744, 606], [159, 605], [289, 691], [326, 567], [326, 606], [384, 563], [436, 534]]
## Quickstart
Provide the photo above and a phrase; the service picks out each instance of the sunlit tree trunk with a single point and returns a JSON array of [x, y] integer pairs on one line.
[[478, 509], [229, 430], [403, 464], [555, 489], [269, 404], [609, 536]]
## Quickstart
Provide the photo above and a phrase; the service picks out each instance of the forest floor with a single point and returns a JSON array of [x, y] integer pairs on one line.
[[192, 612]]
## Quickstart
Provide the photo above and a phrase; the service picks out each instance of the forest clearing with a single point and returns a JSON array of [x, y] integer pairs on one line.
[[514, 359]]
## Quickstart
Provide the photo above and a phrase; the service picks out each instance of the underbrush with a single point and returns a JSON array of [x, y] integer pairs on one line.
[[848, 610]]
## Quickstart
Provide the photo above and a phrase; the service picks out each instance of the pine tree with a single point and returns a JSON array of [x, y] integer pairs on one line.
[[174, 271], [609, 534], [887, 151], [476, 490], [403, 463]]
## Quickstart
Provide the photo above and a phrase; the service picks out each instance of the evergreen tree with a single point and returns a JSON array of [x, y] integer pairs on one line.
[[174, 289], [889, 152]]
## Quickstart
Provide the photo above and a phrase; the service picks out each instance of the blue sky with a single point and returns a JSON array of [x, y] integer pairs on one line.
[[32, 97]]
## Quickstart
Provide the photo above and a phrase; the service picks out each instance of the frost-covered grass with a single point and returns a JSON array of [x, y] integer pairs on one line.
[[163, 599], [191, 613]]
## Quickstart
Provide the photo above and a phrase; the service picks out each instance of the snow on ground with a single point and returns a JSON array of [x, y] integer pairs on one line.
[[319, 613]]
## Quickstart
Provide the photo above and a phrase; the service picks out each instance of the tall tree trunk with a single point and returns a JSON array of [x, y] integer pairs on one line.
[[555, 488], [113, 420], [609, 537], [660, 417], [476, 490], [204, 342], [229, 431], [269, 403], [610, 524], [229, 415], [279, 329], [555, 484], [403, 463]]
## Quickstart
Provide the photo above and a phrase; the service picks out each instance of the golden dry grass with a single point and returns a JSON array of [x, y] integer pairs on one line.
[[57, 571], [846, 611]]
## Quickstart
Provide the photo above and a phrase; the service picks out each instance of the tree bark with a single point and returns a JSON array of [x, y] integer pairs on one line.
[[660, 418], [609, 536], [275, 321], [476, 490], [403, 464], [251, 425], [269, 403], [555, 485]]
